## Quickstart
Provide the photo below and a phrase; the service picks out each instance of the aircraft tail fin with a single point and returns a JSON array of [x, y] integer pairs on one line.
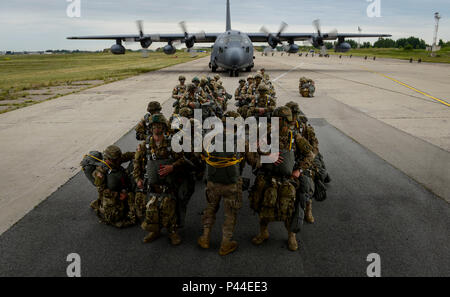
[[228, 16]]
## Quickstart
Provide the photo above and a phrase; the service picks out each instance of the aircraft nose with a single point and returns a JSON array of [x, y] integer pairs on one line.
[[235, 56]]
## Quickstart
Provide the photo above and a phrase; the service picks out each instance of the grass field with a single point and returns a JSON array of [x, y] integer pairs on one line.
[[29, 79], [443, 56]]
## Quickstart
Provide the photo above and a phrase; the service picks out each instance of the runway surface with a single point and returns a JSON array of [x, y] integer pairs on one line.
[[390, 180]]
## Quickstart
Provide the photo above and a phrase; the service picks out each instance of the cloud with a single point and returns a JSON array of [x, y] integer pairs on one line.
[[40, 25]]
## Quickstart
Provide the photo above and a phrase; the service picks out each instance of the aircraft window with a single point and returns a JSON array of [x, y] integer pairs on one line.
[[248, 49], [232, 38]]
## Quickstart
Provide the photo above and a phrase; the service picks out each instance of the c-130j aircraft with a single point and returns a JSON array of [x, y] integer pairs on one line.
[[232, 50]]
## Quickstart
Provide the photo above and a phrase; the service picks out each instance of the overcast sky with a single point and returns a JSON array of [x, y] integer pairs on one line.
[[44, 24]]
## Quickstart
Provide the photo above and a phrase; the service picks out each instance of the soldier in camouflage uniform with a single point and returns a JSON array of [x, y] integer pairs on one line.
[[155, 169], [269, 85], [263, 104], [253, 88], [240, 95], [306, 87], [114, 189], [273, 195], [264, 75], [192, 99], [178, 93], [206, 89], [320, 174], [199, 89], [223, 174], [143, 128]]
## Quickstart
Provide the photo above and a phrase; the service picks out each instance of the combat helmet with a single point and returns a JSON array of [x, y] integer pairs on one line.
[[303, 79], [195, 79], [181, 77], [216, 77], [203, 80], [186, 112], [258, 75], [158, 119], [112, 152], [262, 88], [191, 87], [231, 114], [154, 106], [295, 109], [242, 80], [283, 112], [250, 77]]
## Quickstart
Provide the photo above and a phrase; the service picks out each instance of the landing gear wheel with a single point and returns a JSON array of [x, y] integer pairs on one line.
[[231, 73], [236, 73], [214, 68], [248, 69]]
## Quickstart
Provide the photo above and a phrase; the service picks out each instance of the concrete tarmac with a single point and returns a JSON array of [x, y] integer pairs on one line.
[[385, 197]]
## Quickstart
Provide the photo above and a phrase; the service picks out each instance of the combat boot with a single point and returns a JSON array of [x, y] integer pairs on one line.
[[152, 236], [262, 236], [308, 212], [292, 242], [175, 239], [203, 241], [227, 246]]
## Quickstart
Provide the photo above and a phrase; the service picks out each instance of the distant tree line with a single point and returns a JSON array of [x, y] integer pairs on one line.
[[404, 43]]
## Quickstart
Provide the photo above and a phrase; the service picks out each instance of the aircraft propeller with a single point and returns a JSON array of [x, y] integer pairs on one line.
[[274, 40], [190, 40], [319, 40], [144, 40]]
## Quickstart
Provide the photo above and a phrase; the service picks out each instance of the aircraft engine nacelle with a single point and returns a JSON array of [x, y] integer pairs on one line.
[[343, 47], [273, 41], [118, 49], [145, 43], [189, 42], [169, 49], [317, 42], [292, 49]]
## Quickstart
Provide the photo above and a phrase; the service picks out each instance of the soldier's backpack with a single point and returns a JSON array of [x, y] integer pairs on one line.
[[90, 163]]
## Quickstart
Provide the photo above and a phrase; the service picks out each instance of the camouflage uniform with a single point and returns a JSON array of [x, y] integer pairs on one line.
[[198, 89], [143, 127], [192, 96], [264, 74], [178, 93], [273, 195], [320, 174], [306, 87], [240, 95], [263, 104], [114, 189], [223, 182], [252, 90], [157, 192], [206, 89]]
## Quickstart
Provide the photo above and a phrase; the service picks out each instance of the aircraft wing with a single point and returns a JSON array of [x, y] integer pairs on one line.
[[262, 37], [210, 37]]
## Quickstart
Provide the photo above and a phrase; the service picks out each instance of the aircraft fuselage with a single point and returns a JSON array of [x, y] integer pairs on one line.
[[232, 50]]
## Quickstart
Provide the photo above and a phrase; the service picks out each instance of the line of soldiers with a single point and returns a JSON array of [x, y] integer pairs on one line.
[[155, 189]]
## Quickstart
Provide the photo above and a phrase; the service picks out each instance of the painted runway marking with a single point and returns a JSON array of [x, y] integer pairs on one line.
[[409, 87], [298, 66]]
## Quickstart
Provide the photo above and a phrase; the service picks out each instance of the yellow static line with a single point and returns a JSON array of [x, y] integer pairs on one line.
[[409, 87]]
